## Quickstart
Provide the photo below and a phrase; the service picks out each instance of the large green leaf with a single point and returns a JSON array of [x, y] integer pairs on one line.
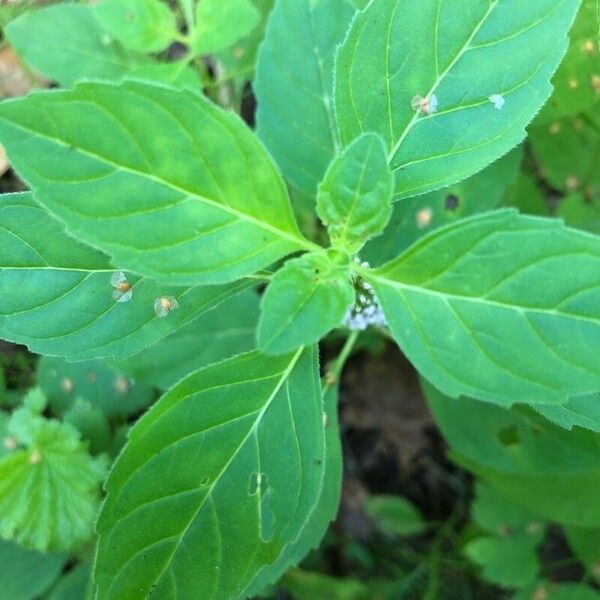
[[222, 332], [164, 181], [58, 298], [500, 307], [294, 87], [354, 198], [552, 472], [450, 54], [581, 411], [216, 480], [49, 484], [26, 574], [66, 43], [142, 25], [306, 299]]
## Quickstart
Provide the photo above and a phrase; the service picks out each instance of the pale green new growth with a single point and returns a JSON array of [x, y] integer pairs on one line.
[[49, 484], [307, 298], [228, 467], [451, 55], [354, 199], [142, 25], [219, 24], [500, 307]]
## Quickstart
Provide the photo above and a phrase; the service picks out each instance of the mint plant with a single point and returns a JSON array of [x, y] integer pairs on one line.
[[361, 200]]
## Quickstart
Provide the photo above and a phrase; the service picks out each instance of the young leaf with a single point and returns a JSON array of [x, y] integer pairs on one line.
[[164, 181], [307, 298], [67, 43], [96, 382], [500, 307], [221, 24], [439, 88], [354, 199], [26, 574], [294, 87], [142, 25], [217, 479], [60, 299], [49, 484], [222, 332]]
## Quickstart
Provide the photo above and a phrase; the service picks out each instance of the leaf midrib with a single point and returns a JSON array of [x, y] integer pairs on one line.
[[300, 241]]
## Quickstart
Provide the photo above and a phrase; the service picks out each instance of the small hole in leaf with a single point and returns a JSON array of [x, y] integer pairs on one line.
[[509, 436], [258, 483], [452, 202]]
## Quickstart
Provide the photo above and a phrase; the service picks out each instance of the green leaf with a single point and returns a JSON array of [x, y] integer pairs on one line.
[[142, 25], [222, 332], [306, 299], [582, 411], [66, 43], [221, 24], [247, 439], [74, 585], [400, 52], [527, 196], [101, 385], [168, 184], [575, 84], [61, 297], [294, 87], [92, 424], [553, 591], [49, 484], [474, 309], [354, 199], [415, 217], [395, 515], [509, 562], [326, 507], [551, 472], [304, 585], [585, 543], [581, 212], [26, 574], [577, 138]]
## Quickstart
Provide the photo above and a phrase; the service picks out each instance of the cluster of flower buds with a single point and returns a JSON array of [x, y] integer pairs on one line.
[[366, 311]]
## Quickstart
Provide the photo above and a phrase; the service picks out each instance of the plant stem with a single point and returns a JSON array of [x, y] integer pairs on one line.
[[333, 373], [187, 7]]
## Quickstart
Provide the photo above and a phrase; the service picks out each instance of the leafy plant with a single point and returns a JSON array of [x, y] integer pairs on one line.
[[388, 137]]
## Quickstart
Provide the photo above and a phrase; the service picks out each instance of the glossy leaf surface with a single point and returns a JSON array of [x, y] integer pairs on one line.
[[164, 181], [294, 87], [500, 307], [354, 199], [227, 469], [424, 76], [307, 298], [142, 25], [58, 296]]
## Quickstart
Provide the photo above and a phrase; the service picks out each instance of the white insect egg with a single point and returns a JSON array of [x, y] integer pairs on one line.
[[164, 305], [497, 100], [122, 289]]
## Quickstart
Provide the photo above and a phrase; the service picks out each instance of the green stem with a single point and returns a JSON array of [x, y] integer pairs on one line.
[[187, 7], [333, 374]]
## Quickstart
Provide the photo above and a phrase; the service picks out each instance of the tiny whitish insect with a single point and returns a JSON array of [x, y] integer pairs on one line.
[[164, 305], [497, 100], [427, 105], [122, 289]]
